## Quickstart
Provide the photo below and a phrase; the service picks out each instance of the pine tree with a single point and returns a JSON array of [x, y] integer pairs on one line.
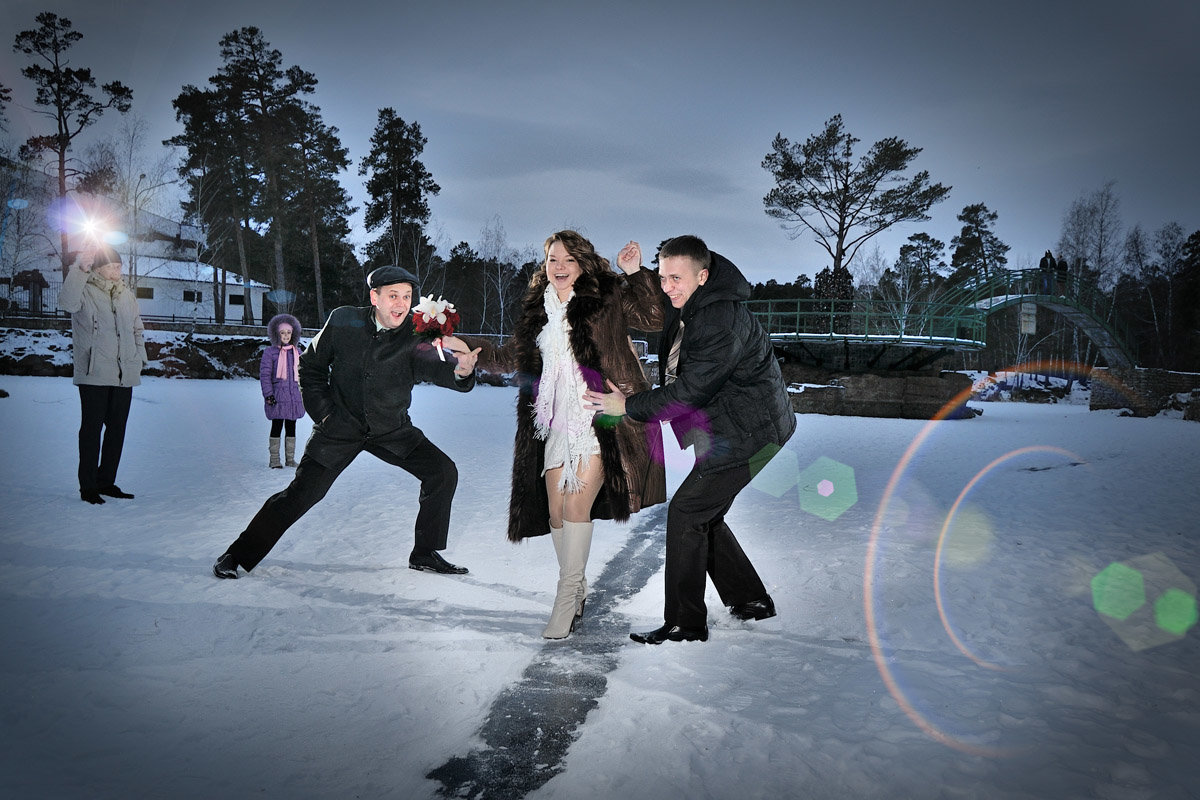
[[65, 96], [978, 252], [398, 187], [819, 187], [267, 97], [220, 180], [324, 204], [834, 288]]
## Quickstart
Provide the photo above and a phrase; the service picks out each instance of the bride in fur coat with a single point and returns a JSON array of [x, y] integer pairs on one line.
[[571, 466]]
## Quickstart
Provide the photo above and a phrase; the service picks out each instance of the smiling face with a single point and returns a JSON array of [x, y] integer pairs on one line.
[[562, 269], [680, 277], [392, 303], [285, 334]]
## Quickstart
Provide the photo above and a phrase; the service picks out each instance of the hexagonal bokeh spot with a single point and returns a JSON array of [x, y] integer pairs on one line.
[[827, 488], [1175, 611], [1118, 591], [774, 470], [1168, 610]]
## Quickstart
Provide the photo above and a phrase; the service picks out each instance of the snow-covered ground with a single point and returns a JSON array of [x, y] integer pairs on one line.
[[978, 667]]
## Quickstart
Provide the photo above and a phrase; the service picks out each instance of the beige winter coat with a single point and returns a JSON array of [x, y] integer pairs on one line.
[[106, 329]]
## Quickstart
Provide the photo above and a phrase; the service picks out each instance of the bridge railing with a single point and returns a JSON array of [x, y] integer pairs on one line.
[[875, 319], [958, 316], [1081, 293]]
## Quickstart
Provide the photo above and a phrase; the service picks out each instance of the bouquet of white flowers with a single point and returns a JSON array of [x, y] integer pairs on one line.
[[436, 317]]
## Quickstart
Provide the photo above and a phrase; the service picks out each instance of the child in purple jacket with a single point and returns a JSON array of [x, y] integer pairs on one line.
[[279, 376]]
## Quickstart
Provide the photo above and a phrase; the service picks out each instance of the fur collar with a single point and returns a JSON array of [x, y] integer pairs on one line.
[[582, 313]]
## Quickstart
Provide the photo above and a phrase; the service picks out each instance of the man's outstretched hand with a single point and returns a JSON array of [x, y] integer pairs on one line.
[[611, 403]]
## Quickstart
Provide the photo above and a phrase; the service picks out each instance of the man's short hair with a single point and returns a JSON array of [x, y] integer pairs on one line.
[[692, 247]]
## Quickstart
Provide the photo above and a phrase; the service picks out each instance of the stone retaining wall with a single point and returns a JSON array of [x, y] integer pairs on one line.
[[893, 395], [1144, 391]]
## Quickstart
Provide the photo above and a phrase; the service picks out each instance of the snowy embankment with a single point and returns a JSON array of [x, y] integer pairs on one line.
[[979, 668]]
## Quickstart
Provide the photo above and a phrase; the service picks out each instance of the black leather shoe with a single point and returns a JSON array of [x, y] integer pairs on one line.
[[91, 496], [671, 633], [435, 563], [226, 567], [112, 490], [754, 610]]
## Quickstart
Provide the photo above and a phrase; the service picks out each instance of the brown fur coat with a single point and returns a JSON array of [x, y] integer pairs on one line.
[[605, 306]]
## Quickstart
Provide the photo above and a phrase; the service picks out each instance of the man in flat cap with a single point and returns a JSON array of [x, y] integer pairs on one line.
[[356, 379]]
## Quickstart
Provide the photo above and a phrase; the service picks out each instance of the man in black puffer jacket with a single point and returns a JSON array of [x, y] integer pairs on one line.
[[356, 378], [722, 391]]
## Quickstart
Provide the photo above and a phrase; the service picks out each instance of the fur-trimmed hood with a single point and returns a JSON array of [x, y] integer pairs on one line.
[[284, 319]]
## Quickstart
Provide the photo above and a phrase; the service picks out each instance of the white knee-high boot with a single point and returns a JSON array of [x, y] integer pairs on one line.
[[572, 543]]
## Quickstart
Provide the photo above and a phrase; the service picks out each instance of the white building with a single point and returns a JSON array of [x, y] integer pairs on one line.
[[169, 285], [162, 263]]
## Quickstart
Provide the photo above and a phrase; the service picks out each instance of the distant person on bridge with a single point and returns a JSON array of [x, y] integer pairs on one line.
[[1046, 269], [722, 391], [1062, 272]]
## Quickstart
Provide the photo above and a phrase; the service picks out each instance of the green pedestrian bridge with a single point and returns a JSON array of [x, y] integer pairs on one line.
[[956, 321]]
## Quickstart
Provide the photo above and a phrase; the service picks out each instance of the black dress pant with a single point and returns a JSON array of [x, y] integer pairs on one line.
[[104, 410], [699, 543], [433, 468]]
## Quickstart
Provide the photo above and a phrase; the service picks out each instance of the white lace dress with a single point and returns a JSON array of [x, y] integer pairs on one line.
[[559, 416]]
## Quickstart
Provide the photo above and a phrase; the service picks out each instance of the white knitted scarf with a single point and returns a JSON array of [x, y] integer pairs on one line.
[[559, 404]]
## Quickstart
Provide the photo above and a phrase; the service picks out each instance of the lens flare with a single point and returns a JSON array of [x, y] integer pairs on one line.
[[687, 422], [1146, 600], [886, 520], [942, 538], [827, 488], [775, 470]]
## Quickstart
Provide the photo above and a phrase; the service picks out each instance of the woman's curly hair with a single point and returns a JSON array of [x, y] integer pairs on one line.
[[592, 263]]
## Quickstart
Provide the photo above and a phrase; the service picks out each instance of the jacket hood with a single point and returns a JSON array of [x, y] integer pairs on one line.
[[282, 319], [725, 282]]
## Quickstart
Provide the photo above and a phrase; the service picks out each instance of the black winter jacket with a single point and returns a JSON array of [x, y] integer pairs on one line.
[[357, 385], [728, 399]]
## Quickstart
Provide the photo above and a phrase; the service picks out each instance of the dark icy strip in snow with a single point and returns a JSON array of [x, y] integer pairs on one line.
[[533, 723]]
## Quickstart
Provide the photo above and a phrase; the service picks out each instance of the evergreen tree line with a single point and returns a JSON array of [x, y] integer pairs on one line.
[[259, 167], [1149, 282]]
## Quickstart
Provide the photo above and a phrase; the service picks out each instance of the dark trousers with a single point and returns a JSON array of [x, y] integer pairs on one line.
[[433, 468], [699, 543], [104, 410]]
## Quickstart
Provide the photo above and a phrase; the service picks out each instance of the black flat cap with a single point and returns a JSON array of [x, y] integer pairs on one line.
[[386, 276]]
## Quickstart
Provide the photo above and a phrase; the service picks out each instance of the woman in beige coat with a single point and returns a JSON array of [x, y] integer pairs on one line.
[[109, 353]]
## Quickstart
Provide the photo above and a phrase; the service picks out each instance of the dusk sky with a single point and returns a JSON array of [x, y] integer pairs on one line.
[[646, 120]]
